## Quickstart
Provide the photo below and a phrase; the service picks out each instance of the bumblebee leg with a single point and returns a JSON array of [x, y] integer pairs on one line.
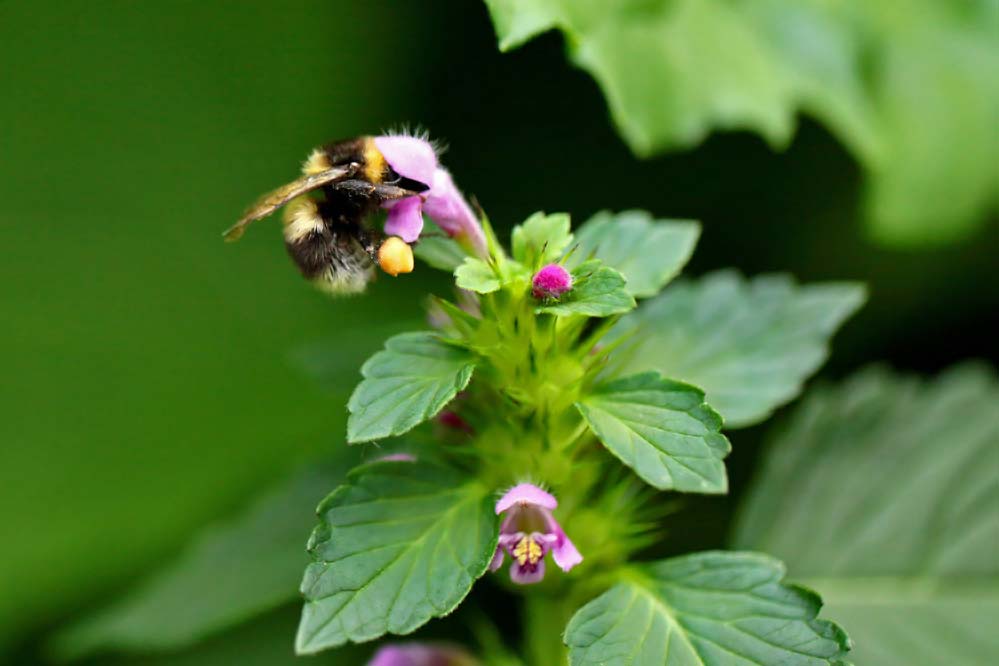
[[390, 192], [364, 189], [370, 241]]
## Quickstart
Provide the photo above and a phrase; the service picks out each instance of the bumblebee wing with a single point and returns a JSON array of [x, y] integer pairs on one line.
[[271, 201]]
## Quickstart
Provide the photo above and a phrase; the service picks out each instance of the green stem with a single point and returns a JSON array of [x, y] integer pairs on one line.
[[545, 618]]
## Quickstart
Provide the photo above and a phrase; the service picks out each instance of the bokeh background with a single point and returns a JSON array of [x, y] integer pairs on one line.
[[152, 376]]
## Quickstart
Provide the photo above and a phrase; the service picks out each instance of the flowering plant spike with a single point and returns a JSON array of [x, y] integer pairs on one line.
[[528, 421]]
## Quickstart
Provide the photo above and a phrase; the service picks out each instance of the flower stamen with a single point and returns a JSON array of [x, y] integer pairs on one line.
[[527, 550]]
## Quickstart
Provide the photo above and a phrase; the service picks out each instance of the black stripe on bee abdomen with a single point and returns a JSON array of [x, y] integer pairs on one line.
[[335, 262], [312, 253], [332, 255]]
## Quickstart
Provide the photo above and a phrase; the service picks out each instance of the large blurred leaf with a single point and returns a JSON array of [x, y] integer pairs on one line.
[[263, 641], [230, 573], [750, 344], [398, 544], [882, 494], [705, 609], [911, 88], [145, 384]]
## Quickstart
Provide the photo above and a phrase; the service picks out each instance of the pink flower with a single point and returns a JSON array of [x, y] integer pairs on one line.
[[397, 457], [551, 282], [528, 532], [453, 420], [421, 654], [414, 158]]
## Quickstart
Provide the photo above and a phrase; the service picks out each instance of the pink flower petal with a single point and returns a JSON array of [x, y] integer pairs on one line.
[[565, 554], [398, 457], [410, 156], [405, 219], [421, 654], [447, 207], [525, 576], [497, 560], [526, 493]]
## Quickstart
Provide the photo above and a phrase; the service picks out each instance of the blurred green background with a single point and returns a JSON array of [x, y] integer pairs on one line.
[[150, 375]]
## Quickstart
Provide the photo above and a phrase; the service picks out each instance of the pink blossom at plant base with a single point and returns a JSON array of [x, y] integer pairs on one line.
[[551, 282], [419, 654], [397, 457], [528, 532], [451, 419], [414, 158]]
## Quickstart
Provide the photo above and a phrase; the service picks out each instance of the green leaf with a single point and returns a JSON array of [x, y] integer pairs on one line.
[[597, 291], [750, 344], [939, 100], [478, 276], [661, 429], [231, 572], [881, 493], [910, 89], [517, 21], [399, 544], [440, 252], [649, 253], [405, 384], [705, 609], [541, 239], [687, 85]]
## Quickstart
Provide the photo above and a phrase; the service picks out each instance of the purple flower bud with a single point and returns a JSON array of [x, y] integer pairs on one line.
[[421, 654], [528, 532], [551, 281]]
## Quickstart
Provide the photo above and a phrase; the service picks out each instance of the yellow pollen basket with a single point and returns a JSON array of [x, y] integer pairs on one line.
[[527, 551], [395, 256]]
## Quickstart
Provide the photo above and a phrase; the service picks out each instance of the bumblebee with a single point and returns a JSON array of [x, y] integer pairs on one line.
[[327, 235]]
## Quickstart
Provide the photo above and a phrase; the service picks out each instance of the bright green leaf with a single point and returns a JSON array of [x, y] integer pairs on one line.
[[648, 252], [686, 84], [399, 544], [750, 344], [517, 21], [405, 384], [233, 571], [440, 252], [705, 609], [661, 429], [541, 239], [881, 493], [912, 89], [478, 276], [939, 100], [597, 291]]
